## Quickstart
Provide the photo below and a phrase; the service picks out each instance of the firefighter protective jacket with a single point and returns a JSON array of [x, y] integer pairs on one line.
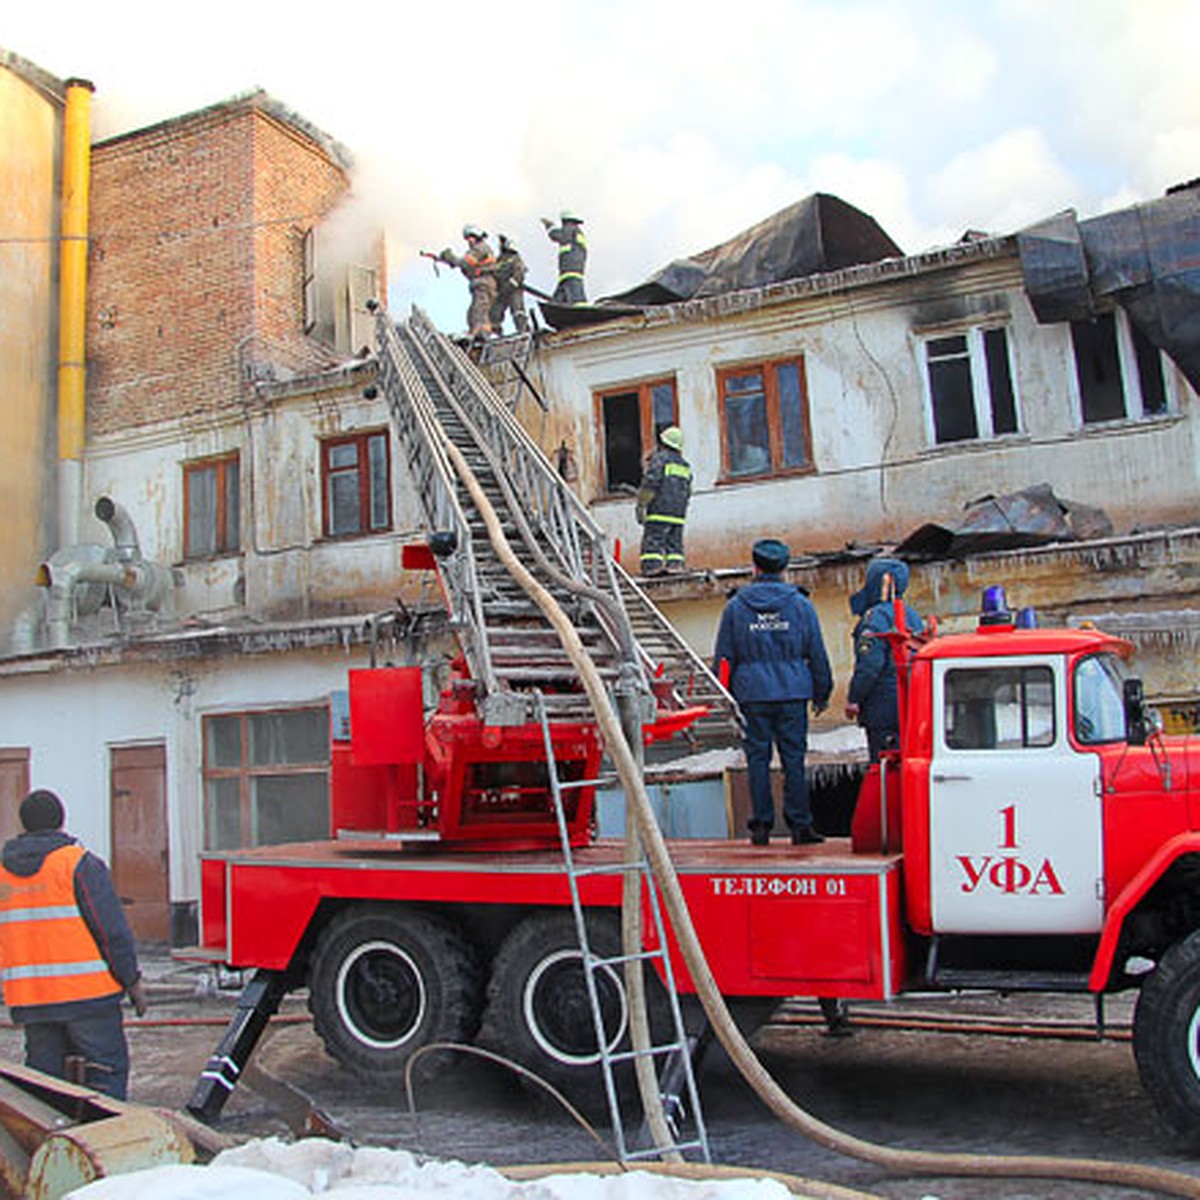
[[666, 487], [65, 944]]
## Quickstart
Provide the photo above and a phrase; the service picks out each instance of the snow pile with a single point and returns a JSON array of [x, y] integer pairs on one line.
[[270, 1169]]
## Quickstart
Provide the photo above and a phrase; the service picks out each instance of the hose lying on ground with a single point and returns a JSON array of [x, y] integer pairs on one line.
[[913, 1162]]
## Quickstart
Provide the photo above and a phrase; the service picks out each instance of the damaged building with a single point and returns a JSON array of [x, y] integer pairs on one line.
[[208, 502], [1016, 409]]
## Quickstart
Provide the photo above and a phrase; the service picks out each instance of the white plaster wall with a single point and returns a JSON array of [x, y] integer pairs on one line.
[[70, 720], [866, 378]]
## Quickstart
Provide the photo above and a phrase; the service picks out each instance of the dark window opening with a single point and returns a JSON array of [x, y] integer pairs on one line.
[[951, 389], [1004, 404], [1150, 374], [1098, 367], [630, 421]]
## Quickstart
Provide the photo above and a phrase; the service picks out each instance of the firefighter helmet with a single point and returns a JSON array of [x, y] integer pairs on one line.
[[672, 436], [568, 214], [473, 231]]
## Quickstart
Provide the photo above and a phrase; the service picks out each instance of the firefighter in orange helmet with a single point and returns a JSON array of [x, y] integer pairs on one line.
[[67, 955], [478, 264]]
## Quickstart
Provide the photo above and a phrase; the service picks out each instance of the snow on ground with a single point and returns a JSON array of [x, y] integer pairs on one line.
[[271, 1169]]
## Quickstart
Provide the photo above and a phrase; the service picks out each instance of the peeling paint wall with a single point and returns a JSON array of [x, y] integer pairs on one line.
[[878, 473]]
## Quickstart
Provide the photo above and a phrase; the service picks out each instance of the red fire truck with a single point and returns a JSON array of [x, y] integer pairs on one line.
[[1034, 830]]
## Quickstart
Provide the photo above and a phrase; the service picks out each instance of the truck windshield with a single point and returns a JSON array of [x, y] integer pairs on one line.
[[1099, 699]]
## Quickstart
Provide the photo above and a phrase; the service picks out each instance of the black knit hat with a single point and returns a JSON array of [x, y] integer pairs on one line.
[[42, 810]]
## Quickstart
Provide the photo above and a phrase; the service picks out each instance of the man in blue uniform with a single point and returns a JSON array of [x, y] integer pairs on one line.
[[771, 638], [871, 698]]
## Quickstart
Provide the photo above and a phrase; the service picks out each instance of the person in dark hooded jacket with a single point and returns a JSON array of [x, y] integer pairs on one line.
[[67, 954], [771, 638], [871, 698]]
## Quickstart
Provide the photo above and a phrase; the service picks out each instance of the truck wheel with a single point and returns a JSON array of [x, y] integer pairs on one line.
[[383, 983], [538, 1008], [1166, 1038]]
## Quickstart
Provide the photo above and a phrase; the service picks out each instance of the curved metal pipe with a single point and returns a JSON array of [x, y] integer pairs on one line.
[[122, 528]]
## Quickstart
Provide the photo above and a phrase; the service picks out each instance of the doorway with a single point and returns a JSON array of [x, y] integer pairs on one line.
[[138, 813]]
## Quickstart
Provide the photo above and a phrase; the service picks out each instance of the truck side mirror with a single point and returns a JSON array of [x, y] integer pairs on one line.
[[1137, 726]]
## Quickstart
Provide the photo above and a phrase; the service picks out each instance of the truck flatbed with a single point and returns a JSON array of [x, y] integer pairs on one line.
[[749, 903]]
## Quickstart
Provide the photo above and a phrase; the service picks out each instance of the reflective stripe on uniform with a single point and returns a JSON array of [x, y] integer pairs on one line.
[[52, 970], [678, 469], [569, 275], [53, 912], [664, 519]]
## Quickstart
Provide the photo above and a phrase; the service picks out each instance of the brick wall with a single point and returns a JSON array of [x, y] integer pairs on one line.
[[195, 269]]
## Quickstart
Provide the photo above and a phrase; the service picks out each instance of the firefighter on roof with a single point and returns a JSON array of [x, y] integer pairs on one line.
[[510, 289], [572, 257], [662, 502], [478, 265]]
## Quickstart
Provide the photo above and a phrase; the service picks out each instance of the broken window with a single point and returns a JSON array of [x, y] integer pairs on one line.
[[356, 484], [630, 420], [969, 380], [1119, 373], [266, 777], [764, 419], [212, 507]]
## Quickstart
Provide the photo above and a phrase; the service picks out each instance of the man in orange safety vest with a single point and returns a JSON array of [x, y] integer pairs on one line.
[[67, 954]]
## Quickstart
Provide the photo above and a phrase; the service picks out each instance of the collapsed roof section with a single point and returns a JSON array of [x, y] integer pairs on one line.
[[1146, 258], [817, 234], [1034, 516]]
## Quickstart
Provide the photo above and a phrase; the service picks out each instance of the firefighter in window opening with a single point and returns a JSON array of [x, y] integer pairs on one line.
[[662, 502], [510, 288], [67, 954], [478, 265], [871, 698], [572, 257], [769, 647]]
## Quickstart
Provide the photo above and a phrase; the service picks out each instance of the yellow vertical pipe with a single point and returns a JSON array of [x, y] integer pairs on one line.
[[72, 304]]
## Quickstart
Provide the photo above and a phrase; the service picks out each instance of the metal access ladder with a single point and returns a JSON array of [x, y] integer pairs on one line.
[[440, 400], [675, 1056]]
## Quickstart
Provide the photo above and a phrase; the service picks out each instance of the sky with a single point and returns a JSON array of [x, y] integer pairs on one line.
[[670, 125], [268, 1169]]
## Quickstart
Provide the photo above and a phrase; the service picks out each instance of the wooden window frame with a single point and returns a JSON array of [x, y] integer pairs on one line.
[[246, 771], [769, 368], [227, 542], [362, 439], [645, 394]]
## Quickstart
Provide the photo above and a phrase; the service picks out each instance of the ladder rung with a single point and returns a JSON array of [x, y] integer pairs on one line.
[[620, 959], [609, 869], [572, 784], [649, 1052]]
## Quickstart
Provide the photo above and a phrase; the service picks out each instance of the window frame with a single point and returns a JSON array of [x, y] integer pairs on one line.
[[644, 389], [246, 771], [225, 545], [769, 369], [1129, 366], [983, 400], [361, 438], [1023, 674]]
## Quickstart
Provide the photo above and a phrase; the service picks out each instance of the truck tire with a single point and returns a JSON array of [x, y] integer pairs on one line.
[[1166, 1039], [538, 1009], [384, 982]]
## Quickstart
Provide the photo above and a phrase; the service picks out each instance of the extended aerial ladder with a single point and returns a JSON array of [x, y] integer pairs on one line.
[[452, 423]]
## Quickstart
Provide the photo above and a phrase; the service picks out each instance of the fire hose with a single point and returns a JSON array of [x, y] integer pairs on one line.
[[625, 762]]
